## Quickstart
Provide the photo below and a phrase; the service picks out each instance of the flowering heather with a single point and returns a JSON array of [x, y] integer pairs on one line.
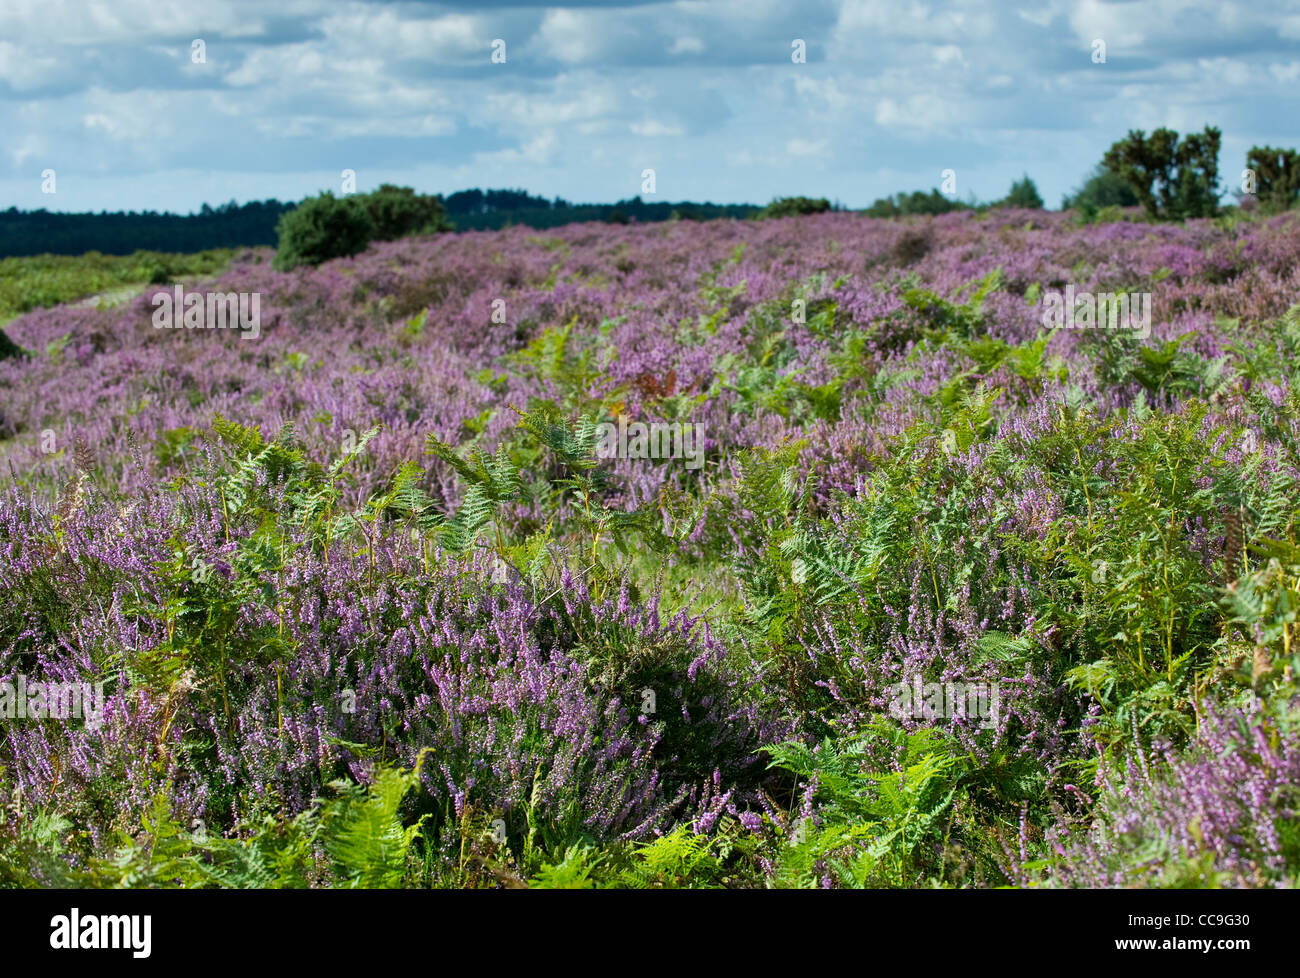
[[386, 552]]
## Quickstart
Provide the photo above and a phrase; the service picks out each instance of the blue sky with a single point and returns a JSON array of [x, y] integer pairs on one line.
[[107, 94]]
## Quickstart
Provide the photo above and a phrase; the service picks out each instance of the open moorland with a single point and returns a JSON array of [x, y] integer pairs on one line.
[[799, 552]]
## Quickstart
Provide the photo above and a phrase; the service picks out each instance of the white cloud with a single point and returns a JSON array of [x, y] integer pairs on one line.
[[1003, 86], [1040, 17], [568, 36], [279, 65], [1287, 74], [457, 37], [652, 128], [84, 22], [803, 147], [538, 151], [29, 68], [1225, 69], [866, 22], [570, 99], [922, 111], [687, 45], [948, 54]]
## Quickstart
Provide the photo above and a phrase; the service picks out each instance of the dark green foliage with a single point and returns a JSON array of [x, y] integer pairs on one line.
[[887, 799], [1277, 176], [483, 210], [230, 225], [1173, 179], [1024, 194], [321, 228], [253, 224], [399, 211], [8, 348], [794, 206], [1103, 188], [917, 202]]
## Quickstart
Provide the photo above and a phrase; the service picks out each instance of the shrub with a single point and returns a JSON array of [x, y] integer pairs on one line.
[[321, 228], [399, 211], [911, 246], [794, 206]]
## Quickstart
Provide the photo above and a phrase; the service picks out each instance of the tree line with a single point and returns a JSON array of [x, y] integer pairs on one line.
[[253, 224], [1171, 177]]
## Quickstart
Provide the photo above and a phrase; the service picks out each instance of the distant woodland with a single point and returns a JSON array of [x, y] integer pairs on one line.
[[234, 225]]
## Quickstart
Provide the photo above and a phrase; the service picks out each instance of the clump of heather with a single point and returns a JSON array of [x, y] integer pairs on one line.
[[1224, 811]]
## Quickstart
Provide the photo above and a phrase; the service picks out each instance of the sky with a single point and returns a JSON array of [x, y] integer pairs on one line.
[[168, 104]]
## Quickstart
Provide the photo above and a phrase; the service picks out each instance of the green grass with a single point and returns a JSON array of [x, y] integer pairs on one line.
[[47, 280]]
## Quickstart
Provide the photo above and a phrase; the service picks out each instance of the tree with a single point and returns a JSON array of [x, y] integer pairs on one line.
[[321, 228], [1023, 194], [1172, 180], [1277, 176]]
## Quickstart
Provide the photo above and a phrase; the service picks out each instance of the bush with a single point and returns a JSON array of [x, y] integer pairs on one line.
[[794, 206], [913, 245], [399, 211], [321, 228]]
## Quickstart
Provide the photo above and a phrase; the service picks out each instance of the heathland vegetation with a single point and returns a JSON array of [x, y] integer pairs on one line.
[[940, 593]]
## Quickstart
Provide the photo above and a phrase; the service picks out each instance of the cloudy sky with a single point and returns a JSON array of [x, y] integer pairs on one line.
[[111, 95]]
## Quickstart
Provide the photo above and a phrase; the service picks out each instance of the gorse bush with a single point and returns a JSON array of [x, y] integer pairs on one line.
[[374, 604]]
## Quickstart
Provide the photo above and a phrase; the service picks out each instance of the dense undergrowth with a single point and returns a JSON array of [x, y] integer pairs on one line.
[[371, 610]]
